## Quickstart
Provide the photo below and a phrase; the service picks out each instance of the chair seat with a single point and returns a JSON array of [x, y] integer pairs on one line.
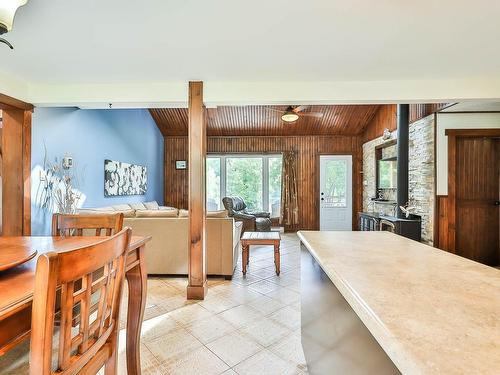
[[262, 224]]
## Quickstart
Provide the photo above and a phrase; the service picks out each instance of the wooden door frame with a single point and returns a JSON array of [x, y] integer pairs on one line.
[[355, 187], [16, 189], [452, 135]]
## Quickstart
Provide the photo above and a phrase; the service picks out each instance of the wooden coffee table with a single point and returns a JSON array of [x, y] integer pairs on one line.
[[260, 238]]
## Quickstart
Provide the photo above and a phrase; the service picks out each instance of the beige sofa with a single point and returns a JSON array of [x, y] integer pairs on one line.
[[167, 252]]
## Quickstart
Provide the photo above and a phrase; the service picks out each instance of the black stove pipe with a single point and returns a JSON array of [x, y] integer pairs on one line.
[[403, 119]]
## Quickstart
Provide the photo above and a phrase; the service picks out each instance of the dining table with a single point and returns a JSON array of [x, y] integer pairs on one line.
[[18, 282]]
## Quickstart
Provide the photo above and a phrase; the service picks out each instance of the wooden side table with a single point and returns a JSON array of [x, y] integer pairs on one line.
[[260, 238]]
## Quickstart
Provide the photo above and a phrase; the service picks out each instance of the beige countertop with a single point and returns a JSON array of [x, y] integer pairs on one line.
[[431, 311]]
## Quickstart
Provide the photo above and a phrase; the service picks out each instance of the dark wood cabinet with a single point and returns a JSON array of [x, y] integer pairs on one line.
[[410, 228]]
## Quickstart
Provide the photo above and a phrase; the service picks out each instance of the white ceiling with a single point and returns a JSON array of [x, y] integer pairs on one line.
[[157, 42]]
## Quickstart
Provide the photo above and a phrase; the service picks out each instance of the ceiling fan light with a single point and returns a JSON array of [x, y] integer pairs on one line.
[[289, 116], [8, 10]]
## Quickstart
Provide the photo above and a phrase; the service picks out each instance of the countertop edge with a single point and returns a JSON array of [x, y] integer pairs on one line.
[[376, 327]]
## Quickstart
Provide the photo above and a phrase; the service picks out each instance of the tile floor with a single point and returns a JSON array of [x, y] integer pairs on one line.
[[250, 325]]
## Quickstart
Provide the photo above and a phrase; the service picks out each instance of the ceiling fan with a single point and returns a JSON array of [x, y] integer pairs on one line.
[[292, 114]]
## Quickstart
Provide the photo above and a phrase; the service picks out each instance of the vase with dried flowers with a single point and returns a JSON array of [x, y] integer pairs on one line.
[[57, 191]]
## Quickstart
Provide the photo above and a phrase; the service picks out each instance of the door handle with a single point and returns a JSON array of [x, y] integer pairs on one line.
[[497, 203]]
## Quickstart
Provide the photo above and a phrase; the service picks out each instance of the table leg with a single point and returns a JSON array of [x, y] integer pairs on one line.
[[244, 259], [277, 258], [137, 286]]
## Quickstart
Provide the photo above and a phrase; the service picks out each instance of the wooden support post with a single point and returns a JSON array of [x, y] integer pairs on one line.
[[197, 285]]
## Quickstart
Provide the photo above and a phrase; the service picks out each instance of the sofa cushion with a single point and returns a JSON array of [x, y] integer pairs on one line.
[[156, 213], [138, 206], [221, 213], [166, 208], [108, 208], [238, 226], [97, 211], [121, 207], [127, 213], [153, 205]]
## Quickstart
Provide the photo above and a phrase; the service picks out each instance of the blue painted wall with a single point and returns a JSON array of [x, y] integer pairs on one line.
[[91, 136]]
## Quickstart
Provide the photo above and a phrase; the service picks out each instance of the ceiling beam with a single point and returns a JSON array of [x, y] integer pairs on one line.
[[269, 93]]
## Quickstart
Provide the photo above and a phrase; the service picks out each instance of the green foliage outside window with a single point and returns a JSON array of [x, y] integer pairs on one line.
[[244, 178], [213, 184], [335, 176]]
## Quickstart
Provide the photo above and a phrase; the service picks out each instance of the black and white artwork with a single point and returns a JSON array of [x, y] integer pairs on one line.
[[124, 179]]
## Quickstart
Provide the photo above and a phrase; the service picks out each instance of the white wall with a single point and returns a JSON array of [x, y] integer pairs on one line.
[[456, 121]]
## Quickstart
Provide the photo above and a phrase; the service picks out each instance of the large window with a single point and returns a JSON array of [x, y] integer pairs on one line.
[[244, 177], [256, 178], [213, 184]]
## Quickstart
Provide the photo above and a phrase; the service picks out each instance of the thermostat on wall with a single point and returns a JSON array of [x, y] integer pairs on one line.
[[67, 162], [180, 164]]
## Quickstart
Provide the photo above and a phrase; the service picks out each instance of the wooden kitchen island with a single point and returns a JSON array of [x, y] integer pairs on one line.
[[379, 303]]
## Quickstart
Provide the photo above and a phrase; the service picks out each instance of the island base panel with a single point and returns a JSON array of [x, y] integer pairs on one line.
[[334, 339]]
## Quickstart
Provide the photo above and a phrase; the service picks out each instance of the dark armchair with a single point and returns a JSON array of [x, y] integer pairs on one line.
[[252, 220]]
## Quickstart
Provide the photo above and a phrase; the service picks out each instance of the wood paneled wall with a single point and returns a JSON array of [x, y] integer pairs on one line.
[[418, 111], [308, 150], [384, 118], [176, 180]]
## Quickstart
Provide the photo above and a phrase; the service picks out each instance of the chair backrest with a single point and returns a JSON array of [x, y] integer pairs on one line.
[[233, 204], [89, 345], [74, 225]]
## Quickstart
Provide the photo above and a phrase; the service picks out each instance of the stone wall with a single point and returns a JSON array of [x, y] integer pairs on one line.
[[421, 173], [369, 178]]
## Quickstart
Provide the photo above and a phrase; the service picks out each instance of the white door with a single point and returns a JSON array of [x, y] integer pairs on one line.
[[335, 192]]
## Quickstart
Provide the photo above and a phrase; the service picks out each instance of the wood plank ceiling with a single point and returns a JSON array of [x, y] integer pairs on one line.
[[261, 121]]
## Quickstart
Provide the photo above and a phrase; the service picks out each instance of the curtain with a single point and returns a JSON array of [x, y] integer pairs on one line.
[[289, 197]]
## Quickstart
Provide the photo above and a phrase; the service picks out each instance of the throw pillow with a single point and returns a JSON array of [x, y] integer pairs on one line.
[[138, 206], [153, 205]]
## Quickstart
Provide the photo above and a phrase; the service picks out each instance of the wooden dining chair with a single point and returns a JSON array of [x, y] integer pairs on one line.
[[74, 225], [93, 343]]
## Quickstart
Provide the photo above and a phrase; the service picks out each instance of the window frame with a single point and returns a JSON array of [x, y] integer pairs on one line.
[[265, 171]]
